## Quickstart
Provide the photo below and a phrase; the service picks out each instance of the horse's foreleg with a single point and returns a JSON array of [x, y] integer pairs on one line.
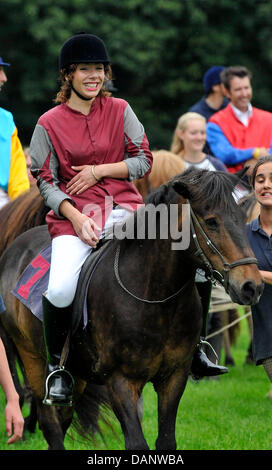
[[51, 428], [31, 419], [169, 394], [229, 361], [124, 396]]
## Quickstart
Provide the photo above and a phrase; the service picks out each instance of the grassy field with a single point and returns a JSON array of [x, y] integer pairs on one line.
[[231, 413]]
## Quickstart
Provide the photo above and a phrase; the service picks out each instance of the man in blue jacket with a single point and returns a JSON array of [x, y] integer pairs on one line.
[[13, 172]]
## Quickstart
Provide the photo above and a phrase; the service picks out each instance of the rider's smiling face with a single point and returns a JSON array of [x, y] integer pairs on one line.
[[88, 79]]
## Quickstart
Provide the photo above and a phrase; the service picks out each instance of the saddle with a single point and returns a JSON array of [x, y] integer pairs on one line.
[[33, 282], [79, 306]]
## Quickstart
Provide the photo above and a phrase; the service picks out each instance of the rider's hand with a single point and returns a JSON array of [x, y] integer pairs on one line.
[[86, 229], [83, 180]]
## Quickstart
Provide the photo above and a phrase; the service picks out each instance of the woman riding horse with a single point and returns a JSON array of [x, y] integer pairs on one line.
[[147, 325], [89, 147]]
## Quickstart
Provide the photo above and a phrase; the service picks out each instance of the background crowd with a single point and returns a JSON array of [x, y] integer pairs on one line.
[[222, 130]]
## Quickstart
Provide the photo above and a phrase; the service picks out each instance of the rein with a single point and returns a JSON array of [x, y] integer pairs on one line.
[[116, 271], [214, 275]]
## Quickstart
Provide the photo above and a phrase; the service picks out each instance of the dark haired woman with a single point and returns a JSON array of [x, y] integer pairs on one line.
[[259, 233], [85, 152]]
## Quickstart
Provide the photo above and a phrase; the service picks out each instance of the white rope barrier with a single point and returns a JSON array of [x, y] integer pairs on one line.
[[228, 326]]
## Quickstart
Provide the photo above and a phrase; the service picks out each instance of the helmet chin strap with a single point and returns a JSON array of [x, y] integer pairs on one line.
[[79, 95]]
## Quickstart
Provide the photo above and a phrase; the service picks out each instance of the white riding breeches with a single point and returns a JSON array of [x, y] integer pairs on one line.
[[68, 256]]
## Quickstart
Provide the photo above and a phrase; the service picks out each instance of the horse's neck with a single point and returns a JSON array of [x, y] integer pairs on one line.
[[152, 241], [158, 264]]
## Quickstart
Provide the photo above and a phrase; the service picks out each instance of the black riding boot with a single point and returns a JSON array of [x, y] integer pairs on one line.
[[59, 382], [201, 365]]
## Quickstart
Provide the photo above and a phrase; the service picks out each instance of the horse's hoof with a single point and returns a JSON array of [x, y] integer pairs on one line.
[[229, 362]]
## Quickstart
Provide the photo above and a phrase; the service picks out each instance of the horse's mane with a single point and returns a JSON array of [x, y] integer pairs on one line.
[[26, 211], [209, 189]]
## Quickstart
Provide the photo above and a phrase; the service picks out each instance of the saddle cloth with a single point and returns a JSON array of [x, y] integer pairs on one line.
[[33, 282]]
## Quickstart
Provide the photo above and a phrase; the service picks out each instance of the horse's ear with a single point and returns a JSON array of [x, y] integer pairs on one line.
[[242, 172], [182, 188]]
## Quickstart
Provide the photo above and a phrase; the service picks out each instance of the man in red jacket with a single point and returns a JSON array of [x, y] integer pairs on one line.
[[240, 132]]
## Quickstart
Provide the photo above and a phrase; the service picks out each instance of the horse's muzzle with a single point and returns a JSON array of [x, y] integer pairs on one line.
[[247, 294]]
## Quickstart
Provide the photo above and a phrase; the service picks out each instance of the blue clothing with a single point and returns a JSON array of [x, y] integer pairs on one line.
[[222, 147], [201, 107], [261, 245], [2, 305], [7, 127]]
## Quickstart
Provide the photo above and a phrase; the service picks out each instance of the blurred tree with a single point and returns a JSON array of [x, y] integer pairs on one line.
[[159, 50]]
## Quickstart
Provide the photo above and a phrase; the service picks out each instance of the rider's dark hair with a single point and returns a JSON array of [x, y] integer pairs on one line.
[[66, 76]]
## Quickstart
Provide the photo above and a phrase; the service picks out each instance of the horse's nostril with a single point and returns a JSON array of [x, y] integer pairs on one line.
[[250, 291]]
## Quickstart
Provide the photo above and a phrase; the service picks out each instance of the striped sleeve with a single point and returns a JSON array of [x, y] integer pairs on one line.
[[44, 167], [138, 156], [18, 178], [223, 149]]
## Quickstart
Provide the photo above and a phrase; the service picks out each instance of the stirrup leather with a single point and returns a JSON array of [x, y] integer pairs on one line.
[[49, 401]]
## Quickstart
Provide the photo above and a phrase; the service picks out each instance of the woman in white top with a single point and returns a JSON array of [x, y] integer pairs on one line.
[[188, 141]]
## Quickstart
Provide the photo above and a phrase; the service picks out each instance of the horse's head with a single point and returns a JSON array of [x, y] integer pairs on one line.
[[218, 232]]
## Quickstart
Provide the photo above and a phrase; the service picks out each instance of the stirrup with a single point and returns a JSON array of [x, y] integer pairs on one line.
[[204, 341], [49, 401], [202, 366]]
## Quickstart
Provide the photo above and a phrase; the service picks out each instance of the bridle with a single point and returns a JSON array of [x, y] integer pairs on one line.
[[213, 274]]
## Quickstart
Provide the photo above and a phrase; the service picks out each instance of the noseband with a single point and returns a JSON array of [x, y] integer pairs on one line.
[[214, 274]]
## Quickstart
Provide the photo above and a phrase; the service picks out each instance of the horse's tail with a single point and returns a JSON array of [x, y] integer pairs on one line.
[[93, 413]]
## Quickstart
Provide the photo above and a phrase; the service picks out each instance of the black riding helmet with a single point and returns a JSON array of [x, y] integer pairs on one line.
[[83, 48]]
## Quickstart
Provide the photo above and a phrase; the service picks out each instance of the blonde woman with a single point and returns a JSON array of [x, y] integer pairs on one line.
[[189, 140]]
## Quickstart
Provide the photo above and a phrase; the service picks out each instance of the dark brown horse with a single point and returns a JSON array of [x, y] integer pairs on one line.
[[146, 324], [28, 211]]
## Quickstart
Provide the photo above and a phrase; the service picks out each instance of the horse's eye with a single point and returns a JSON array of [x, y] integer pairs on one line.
[[212, 223]]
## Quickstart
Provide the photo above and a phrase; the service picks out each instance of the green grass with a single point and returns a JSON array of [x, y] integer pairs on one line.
[[231, 413]]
